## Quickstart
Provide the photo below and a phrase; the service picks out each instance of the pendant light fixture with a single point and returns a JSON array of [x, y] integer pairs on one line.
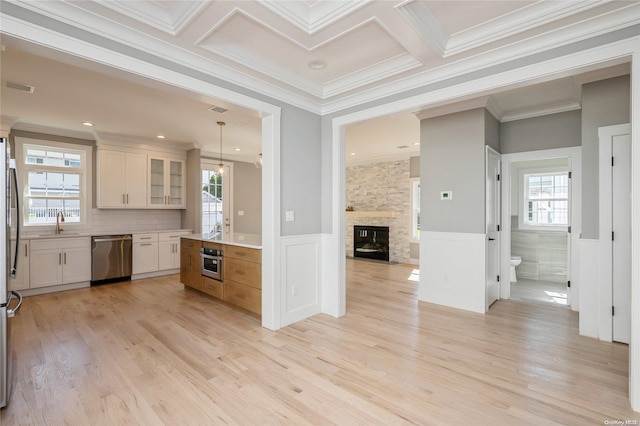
[[221, 165]]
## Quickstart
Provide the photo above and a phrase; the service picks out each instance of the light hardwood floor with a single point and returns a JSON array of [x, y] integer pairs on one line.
[[151, 353]]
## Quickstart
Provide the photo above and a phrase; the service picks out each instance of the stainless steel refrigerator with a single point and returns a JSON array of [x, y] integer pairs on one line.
[[10, 301]]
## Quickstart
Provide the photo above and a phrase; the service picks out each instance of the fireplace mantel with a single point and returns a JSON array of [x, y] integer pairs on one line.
[[363, 213]]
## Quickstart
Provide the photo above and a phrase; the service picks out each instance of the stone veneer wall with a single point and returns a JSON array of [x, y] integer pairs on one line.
[[381, 187]]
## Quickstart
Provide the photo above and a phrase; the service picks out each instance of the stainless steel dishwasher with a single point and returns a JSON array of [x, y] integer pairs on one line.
[[110, 258]]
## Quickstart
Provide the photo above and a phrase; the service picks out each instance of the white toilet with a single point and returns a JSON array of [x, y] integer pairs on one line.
[[515, 261]]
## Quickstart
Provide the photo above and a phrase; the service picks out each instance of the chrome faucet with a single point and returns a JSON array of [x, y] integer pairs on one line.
[[59, 218]]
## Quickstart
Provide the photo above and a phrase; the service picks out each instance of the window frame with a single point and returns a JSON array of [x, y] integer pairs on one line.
[[523, 199], [84, 171]]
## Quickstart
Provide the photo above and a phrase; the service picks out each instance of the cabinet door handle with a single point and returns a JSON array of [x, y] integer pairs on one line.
[[241, 273], [127, 198], [146, 244], [59, 258], [26, 254], [65, 258], [145, 238], [123, 202]]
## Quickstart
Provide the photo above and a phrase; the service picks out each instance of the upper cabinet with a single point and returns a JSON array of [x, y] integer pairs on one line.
[[166, 183], [135, 178], [121, 179]]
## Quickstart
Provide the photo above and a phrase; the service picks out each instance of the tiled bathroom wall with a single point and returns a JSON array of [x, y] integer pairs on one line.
[[544, 254]]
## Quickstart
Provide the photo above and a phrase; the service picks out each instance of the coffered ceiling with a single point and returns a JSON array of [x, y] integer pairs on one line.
[[322, 56]]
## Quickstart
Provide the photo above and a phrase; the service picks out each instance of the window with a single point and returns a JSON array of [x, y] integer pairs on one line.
[[546, 199], [212, 213], [54, 180], [415, 208]]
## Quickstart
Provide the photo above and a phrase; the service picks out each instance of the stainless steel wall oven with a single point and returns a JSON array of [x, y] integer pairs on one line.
[[211, 263]]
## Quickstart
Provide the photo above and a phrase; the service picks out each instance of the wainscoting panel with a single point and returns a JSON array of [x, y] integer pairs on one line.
[[300, 277], [589, 320], [452, 270]]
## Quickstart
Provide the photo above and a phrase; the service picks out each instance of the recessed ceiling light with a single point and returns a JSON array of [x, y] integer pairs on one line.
[[353, 153], [237, 149], [160, 136], [416, 143], [87, 123], [317, 64]]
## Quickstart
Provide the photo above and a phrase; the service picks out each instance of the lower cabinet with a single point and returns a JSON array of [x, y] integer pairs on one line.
[[243, 277], [190, 263], [242, 273], [169, 250], [145, 253], [59, 261]]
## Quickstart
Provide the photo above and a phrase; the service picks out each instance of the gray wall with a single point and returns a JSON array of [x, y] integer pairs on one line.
[[604, 103], [301, 173], [247, 197], [491, 131], [452, 159], [545, 132]]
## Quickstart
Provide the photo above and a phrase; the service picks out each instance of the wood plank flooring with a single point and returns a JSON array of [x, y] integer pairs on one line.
[[152, 353]]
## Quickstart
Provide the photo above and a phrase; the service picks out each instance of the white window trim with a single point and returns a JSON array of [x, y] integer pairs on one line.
[[86, 154], [211, 164], [413, 182], [522, 211]]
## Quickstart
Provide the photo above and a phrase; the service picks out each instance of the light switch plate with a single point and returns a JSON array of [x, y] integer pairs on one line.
[[289, 216], [446, 195]]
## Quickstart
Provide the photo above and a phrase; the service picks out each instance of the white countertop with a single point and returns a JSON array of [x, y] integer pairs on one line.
[[253, 243], [72, 234]]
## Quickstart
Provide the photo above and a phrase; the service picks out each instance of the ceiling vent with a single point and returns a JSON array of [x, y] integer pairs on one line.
[[21, 87], [218, 109]]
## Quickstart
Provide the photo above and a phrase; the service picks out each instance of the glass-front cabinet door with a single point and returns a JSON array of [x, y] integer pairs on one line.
[[156, 182], [176, 183], [166, 182]]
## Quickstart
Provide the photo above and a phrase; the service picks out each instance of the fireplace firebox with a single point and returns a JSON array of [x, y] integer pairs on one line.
[[371, 242]]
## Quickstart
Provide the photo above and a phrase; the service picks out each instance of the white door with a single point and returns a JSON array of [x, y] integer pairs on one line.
[[621, 228], [492, 199]]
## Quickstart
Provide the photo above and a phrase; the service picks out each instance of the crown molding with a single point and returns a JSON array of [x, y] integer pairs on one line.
[[538, 112], [370, 75], [169, 17], [47, 130], [527, 18], [453, 108], [425, 23], [312, 18]]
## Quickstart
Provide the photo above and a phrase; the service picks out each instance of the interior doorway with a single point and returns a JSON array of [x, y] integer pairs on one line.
[[540, 210]]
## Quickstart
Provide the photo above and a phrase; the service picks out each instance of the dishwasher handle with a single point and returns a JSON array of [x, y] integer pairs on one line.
[[104, 240]]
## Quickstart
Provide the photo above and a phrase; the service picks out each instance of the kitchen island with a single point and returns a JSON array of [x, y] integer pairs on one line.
[[240, 267]]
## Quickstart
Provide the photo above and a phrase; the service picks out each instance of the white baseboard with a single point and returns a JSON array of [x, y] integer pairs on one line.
[[155, 274], [54, 288]]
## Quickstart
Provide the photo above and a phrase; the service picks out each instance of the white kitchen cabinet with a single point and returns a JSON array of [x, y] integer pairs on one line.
[[166, 182], [169, 249], [58, 261], [145, 253], [122, 179], [21, 281]]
